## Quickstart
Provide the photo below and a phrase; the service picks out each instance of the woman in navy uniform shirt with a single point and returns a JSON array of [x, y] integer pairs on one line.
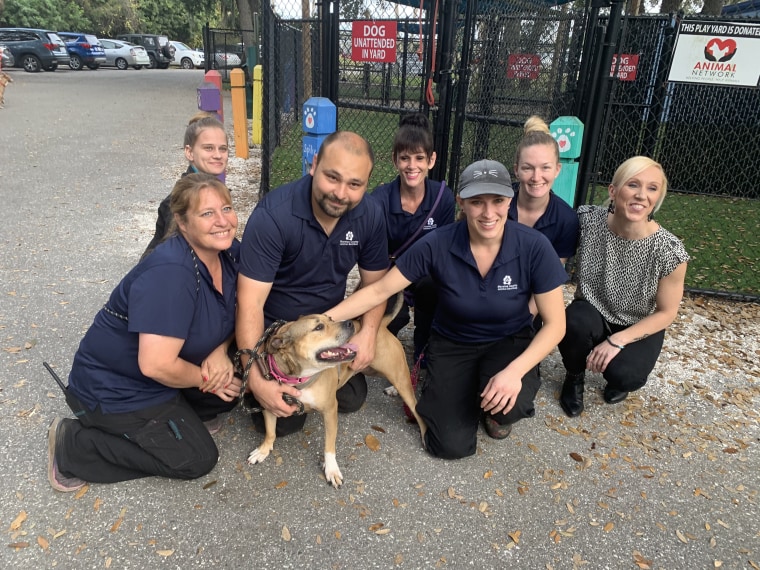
[[153, 367], [414, 206], [483, 352]]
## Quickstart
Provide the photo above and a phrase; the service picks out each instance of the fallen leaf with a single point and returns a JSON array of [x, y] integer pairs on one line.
[[281, 484], [372, 442], [43, 542], [378, 428], [608, 527], [286, 534], [81, 493], [515, 536], [164, 552], [209, 484], [681, 537], [337, 534], [398, 559], [577, 457], [730, 450], [383, 531], [97, 504], [18, 545], [376, 526], [488, 474], [18, 521]]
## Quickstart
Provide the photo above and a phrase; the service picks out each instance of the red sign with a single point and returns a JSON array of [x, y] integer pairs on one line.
[[627, 65], [373, 41], [523, 66]]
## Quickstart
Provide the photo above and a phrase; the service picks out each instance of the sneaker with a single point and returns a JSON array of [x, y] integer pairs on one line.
[[58, 481], [213, 425], [495, 429]]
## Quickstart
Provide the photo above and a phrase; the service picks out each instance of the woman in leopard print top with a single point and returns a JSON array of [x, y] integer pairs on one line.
[[630, 275]]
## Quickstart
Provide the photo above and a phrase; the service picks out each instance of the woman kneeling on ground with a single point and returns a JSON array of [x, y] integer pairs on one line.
[[153, 367], [483, 351], [630, 274]]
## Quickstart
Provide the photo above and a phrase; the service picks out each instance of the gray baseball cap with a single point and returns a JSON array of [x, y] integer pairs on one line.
[[485, 177]]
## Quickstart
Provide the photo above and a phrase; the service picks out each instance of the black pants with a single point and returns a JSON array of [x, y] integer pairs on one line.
[[457, 374], [425, 296], [168, 440], [586, 328]]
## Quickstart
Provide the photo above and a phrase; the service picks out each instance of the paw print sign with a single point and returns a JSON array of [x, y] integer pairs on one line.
[[568, 132], [319, 116]]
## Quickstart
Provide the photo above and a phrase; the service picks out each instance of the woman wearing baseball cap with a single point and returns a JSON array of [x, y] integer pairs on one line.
[[483, 351]]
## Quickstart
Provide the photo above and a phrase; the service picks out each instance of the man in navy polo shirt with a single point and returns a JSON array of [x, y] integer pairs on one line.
[[299, 245]]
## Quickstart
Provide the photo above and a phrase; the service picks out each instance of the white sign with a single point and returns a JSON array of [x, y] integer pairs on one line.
[[718, 53]]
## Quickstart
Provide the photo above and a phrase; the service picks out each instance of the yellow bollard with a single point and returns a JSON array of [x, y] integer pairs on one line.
[[257, 128], [239, 116]]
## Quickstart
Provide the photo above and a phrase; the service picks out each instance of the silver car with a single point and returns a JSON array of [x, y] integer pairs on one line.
[[7, 57], [123, 54]]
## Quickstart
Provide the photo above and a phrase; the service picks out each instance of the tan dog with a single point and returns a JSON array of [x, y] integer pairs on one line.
[[5, 79], [312, 350]]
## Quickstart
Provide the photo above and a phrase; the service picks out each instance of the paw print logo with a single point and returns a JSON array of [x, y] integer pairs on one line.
[[430, 221], [309, 117], [349, 236], [564, 138], [507, 280]]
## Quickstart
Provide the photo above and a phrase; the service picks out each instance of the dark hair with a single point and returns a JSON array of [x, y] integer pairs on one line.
[[413, 135], [536, 132], [348, 139], [200, 122], [186, 191]]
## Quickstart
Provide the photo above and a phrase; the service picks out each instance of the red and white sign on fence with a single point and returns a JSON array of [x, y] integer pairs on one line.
[[626, 64], [373, 41], [523, 66]]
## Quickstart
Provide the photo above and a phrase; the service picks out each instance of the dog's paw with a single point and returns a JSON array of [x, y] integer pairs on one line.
[[332, 471], [391, 391], [258, 455]]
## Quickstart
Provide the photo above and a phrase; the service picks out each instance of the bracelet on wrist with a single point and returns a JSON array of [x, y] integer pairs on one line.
[[618, 346]]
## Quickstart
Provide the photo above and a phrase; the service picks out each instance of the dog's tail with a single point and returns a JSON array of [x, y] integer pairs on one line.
[[392, 307]]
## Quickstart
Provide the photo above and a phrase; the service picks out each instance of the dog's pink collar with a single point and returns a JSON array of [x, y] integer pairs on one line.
[[280, 376]]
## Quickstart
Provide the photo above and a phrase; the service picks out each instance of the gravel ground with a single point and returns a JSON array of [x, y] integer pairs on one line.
[[667, 479]]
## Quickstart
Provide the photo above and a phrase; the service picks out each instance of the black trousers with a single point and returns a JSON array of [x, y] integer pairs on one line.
[[425, 296], [586, 328], [457, 374], [168, 440]]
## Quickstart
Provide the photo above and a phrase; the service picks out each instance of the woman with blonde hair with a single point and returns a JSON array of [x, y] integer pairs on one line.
[[630, 275], [536, 168]]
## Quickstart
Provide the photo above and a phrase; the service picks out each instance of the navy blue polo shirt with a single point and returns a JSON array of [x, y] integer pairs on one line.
[[284, 244], [168, 293], [559, 223], [401, 224], [473, 309]]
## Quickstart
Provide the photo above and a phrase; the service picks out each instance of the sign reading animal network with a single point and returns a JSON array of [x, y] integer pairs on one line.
[[718, 53], [523, 66], [626, 65], [373, 41]]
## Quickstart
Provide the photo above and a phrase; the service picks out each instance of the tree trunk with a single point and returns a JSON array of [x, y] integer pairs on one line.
[[670, 6], [712, 8]]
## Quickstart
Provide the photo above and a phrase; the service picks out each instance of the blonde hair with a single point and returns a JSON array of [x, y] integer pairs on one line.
[[198, 123], [186, 192], [634, 166], [536, 132]]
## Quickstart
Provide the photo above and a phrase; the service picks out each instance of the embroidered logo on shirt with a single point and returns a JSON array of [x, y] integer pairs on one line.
[[349, 239], [506, 284], [430, 224]]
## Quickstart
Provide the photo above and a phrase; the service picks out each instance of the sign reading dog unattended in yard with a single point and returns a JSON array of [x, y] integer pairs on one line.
[[718, 53], [373, 41]]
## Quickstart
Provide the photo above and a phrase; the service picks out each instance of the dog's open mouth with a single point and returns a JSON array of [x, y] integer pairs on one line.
[[338, 353]]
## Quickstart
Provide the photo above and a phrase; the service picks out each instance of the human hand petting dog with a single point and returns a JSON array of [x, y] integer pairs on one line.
[[270, 394], [365, 353], [500, 394], [216, 371]]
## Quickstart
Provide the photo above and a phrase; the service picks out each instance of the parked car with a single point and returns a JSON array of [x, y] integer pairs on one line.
[[7, 57], [225, 58], [160, 51], [35, 49], [186, 57], [124, 54], [84, 49]]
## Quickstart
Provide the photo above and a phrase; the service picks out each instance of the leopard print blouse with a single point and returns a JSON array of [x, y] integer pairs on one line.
[[619, 277]]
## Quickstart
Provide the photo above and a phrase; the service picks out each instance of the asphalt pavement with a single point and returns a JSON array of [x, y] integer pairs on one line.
[[667, 479]]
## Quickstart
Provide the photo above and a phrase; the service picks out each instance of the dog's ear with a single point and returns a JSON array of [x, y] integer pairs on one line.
[[280, 340]]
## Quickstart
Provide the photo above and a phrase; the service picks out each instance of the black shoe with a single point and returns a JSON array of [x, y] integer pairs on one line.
[[496, 430], [613, 396], [571, 397], [352, 394]]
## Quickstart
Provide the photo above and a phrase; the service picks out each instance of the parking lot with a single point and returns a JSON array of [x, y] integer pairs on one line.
[[668, 479]]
